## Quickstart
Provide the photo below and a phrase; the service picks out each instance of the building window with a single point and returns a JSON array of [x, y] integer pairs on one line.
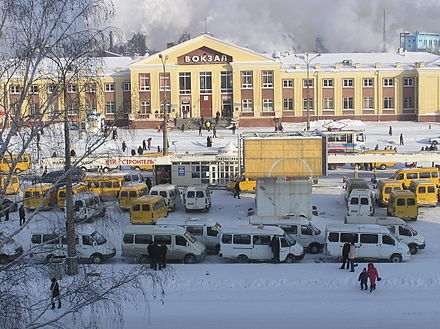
[[14, 108], [408, 82], [110, 108], [347, 83], [288, 104], [327, 83], [72, 108], [144, 81], [308, 104], [388, 103], [368, 103], [145, 107], [408, 102], [71, 89], [91, 88], [52, 89], [327, 103], [205, 82], [126, 86], [35, 109], [348, 103], [388, 82], [287, 83], [267, 105], [33, 89], [53, 109], [14, 89], [246, 105], [164, 81], [367, 82], [226, 82], [267, 79], [185, 83], [308, 83], [246, 80], [109, 87], [91, 107]]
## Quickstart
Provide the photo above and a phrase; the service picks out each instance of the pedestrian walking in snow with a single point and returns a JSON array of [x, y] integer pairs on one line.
[[234, 127], [352, 256], [162, 255], [377, 147], [208, 141], [208, 125], [55, 292], [133, 152], [149, 143], [390, 131], [275, 247], [237, 190], [214, 132], [280, 128], [183, 127], [217, 117], [140, 150], [124, 146], [153, 254], [363, 278], [401, 139], [22, 215], [144, 145], [345, 251], [200, 130], [373, 275]]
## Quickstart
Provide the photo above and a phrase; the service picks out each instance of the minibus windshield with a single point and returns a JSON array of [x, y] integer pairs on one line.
[[291, 241], [315, 229], [98, 237], [190, 237]]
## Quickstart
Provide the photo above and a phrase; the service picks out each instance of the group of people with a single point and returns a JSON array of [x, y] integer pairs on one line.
[[432, 147], [146, 145], [348, 260], [21, 214], [157, 254]]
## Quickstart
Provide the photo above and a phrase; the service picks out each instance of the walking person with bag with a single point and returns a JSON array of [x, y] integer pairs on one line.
[[275, 247], [373, 276], [345, 251], [352, 256], [55, 291]]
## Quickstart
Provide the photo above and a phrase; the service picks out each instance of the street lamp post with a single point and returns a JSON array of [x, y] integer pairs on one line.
[[163, 59], [307, 61]]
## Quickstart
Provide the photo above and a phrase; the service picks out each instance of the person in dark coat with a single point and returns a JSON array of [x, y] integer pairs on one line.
[[363, 278], [200, 130], [182, 127], [72, 153], [376, 147], [345, 251], [217, 117], [390, 131], [124, 146], [149, 143], [275, 247], [144, 145], [280, 128], [7, 214], [148, 182], [22, 215], [237, 190], [234, 127], [208, 141], [153, 254], [214, 132], [373, 276], [133, 152], [55, 291], [401, 139], [140, 150], [162, 255]]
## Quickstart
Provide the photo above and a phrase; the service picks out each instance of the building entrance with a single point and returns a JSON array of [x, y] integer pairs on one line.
[[185, 110]]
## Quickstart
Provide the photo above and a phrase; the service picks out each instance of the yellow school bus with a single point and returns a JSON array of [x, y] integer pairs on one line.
[[13, 185], [34, 195], [129, 193], [107, 187], [18, 163], [76, 188], [148, 209]]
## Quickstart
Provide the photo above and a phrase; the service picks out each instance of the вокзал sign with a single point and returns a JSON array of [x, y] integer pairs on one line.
[[204, 55]]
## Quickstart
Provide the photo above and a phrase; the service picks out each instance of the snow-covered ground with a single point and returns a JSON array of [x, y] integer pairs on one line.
[[220, 294]]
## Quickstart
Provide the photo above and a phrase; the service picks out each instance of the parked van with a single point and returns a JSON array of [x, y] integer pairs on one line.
[[371, 241], [383, 189], [34, 195], [405, 176], [148, 209], [251, 242], [403, 204], [170, 193], [10, 250], [18, 162], [425, 191], [298, 228], [13, 186], [397, 226], [355, 183], [205, 230], [87, 206], [48, 245], [181, 245], [61, 194], [360, 202], [131, 192], [197, 198], [378, 165], [107, 187]]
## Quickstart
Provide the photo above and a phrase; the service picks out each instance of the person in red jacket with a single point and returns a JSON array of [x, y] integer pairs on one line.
[[373, 276]]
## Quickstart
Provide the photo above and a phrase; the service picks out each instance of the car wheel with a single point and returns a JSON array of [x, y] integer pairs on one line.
[[106, 169], [314, 248], [242, 259], [332, 167], [48, 259], [84, 169], [290, 259], [97, 259], [3, 259], [413, 249], [396, 258], [383, 167], [190, 259], [143, 259]]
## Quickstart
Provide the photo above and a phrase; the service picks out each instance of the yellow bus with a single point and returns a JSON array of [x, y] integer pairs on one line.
[[405, 176], [384, 188], [76, 188], [378, 165], [18, 163], [148, 209], [403, 204], [425, 191], [107, 187], [129, 193], [34, 195], [13, 185]]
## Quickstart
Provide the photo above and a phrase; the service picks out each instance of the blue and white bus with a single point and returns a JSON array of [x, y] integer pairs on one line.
[[345, 141]]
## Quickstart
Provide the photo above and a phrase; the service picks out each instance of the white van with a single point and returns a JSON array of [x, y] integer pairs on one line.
[[372, 242], [251, 242], [205, 230], [298, 228], [197, 198], [48, 245], [360, 202], [170, 193], [10, 250], [87, 206], [397, 226], [180, 243]]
